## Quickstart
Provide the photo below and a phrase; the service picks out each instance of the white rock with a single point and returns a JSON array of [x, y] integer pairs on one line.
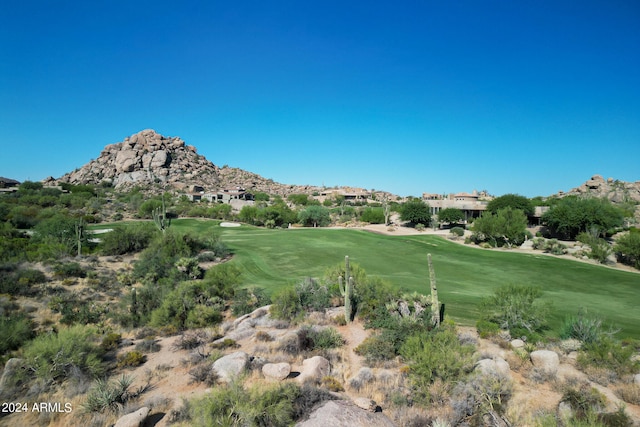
[[276, 371], [134, 419], [231, 365], [546, 360]]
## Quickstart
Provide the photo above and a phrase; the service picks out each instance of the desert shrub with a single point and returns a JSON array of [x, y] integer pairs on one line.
[[246, 300], [15, 330], [225, 343], [75, 310], [517, 308], [584, 399], [438, 354], [30, 276], [627, 248], [371, 295], [109, 396], [148, 345], [372, 215], [222, 280], [481, 394], [189, 305], [110, 341], [487, 329], [125, 240], [68, 269], [326, 338], [376, 349], [630, 393], [202, 316], [202, 373], [190, 340], [457, 231], [610, 354], [313, 295], [131, 359], [332, 384], [189, 267], [588, 329], [264, 336], [420, 227], [258, 406], [285, 305], [54, 356]]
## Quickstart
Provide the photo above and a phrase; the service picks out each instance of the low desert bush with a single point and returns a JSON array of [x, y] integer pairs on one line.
[[148, 345], [583, 327], [457, 231], [376, 349], [629, 392], [487, 329], [129, 239], [610, 354], [481, 394], [247, 300], [190, 340], [54, 356], [332, 384], [202, 373], [68, 270], [110, 341], [131, 359], [438, 354], [109, 396]]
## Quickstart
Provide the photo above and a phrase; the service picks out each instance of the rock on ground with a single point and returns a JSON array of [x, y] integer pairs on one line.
[[314, 369], [344, 413], [546, 360], [231, 365], [276, 371], [134, 419]]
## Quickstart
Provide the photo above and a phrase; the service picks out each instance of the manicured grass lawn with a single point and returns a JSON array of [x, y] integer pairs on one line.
[[276, 258]]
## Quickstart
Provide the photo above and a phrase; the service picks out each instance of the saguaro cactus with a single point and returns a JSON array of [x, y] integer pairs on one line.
[[435, 304], [80, 235], [346, 289], [160, 217]]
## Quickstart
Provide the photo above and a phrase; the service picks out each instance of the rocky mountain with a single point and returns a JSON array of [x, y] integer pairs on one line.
[[154, 161], [615, 190]]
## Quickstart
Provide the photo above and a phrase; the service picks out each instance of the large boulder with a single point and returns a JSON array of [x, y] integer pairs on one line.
[[545, 360], [230, 366], [497, 365], [134, 419], [314, 369], [276, 371], [344, 413]]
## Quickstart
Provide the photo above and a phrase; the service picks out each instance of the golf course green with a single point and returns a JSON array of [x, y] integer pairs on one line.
[[273, 259]]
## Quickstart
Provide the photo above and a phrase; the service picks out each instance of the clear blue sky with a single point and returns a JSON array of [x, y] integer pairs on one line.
[[405, 96]]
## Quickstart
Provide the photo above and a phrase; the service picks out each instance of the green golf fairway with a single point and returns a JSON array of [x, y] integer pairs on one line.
[[273, 259]]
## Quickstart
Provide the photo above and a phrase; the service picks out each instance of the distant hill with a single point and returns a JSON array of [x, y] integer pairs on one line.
[[156, 162], [615, 190]]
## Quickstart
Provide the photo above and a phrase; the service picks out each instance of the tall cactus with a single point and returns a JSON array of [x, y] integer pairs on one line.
[[160, 217], [80, 235], [346, 289], [435, 304]]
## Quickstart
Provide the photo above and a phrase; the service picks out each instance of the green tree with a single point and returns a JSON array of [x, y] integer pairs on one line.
[[451, 215], [316, 216], [571, 215], [516, 308], [514, 201], [59, 229], [372, 215], [416, 211], [298, 199], [627, 248], [508, 226]]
